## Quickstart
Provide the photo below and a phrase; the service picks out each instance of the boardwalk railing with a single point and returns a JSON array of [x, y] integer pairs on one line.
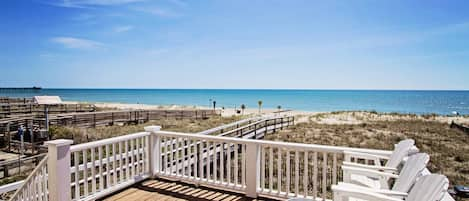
[[7, 109], [35, 186], [254, 167]]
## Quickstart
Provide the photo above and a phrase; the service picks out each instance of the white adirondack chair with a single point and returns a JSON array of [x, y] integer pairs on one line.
[[413, 168], [401, 150], [431, 187]]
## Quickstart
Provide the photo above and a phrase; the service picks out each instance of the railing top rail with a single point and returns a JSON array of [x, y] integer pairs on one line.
[[205, 132], [247, 126], [88, 145], [257, 120], [288, 145]]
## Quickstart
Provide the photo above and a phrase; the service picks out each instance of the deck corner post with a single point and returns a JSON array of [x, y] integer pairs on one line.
[[155, 147], [58, 168], [252, 169]]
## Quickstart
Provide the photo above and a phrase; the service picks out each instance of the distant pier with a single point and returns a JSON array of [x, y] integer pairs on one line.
[[34, 88]]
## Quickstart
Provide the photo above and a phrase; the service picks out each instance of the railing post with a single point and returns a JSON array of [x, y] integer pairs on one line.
[[58, 168], [155, 148], [252, 169]]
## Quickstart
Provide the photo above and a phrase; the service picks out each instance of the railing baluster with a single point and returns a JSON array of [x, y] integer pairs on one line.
[[170, 144], [108, 167], [243, 167], [200, 149], [334, 169], [44, 184], [177, 155], [262, 167], [236, 161], [297, 173], [214, 163], [288, 183], [208, 163], [147, 154], [114, 166], [183, 157], [137, 156], [33, 186], [77, 175], [222, 162], [100, 168], [39, 186], [167, 152], [279, 170], [132, 157], [159, 158], [121, 163], [271, 168], [189, 158], [93, 170], [85, 172], [324, 175], [228, 163], [127, 160], [305, 175], [315, 175]]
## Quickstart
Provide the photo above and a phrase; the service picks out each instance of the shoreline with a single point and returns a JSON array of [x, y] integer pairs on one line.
[[324, 117]]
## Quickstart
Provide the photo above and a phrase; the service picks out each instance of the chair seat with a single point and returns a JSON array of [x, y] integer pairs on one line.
[[365, 180]]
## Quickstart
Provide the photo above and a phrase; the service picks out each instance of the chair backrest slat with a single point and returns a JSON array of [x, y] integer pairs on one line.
[[401, 150], [413, 169], [429, 188]]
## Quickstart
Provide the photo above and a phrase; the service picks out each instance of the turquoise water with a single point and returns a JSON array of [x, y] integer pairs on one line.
[[419, 102]]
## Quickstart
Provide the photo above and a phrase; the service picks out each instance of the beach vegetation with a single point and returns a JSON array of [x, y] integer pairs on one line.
[[83, 135], [447, 147]]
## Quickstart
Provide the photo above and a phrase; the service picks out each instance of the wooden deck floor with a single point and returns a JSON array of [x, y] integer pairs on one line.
[[165, 190]]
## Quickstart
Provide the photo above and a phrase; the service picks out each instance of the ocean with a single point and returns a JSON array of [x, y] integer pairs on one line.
[[401, 101]]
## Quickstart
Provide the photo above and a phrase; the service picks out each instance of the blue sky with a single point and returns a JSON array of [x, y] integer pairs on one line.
[[307, 44]]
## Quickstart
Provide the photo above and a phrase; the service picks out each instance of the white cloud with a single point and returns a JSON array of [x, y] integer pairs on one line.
[[159, 12], [120, 29], [77, 43], [178, 2], [89, 3]]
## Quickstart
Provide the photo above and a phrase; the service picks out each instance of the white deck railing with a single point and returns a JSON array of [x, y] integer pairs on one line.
[[35, 186], [254, 167], [104, 166]]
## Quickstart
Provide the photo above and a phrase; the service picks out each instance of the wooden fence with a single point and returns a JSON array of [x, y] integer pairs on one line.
[[9, 126], [15, 100], [15, 109]]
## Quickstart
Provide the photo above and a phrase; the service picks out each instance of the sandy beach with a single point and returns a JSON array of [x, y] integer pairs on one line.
[[342, 117]]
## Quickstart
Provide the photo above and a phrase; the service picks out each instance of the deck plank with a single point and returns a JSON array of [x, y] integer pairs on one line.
[[165, 190]]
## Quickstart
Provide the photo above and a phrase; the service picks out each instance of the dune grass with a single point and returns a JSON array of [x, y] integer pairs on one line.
[[448, 148], [82, 135]]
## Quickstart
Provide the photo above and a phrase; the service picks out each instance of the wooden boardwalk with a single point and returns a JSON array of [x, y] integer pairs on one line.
[[166, 190]]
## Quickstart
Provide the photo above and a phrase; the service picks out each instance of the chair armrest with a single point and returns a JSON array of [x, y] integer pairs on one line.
[[373, 167], [366, 156], [368, 172], [383, 177], [341, 193], [381, 191]]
